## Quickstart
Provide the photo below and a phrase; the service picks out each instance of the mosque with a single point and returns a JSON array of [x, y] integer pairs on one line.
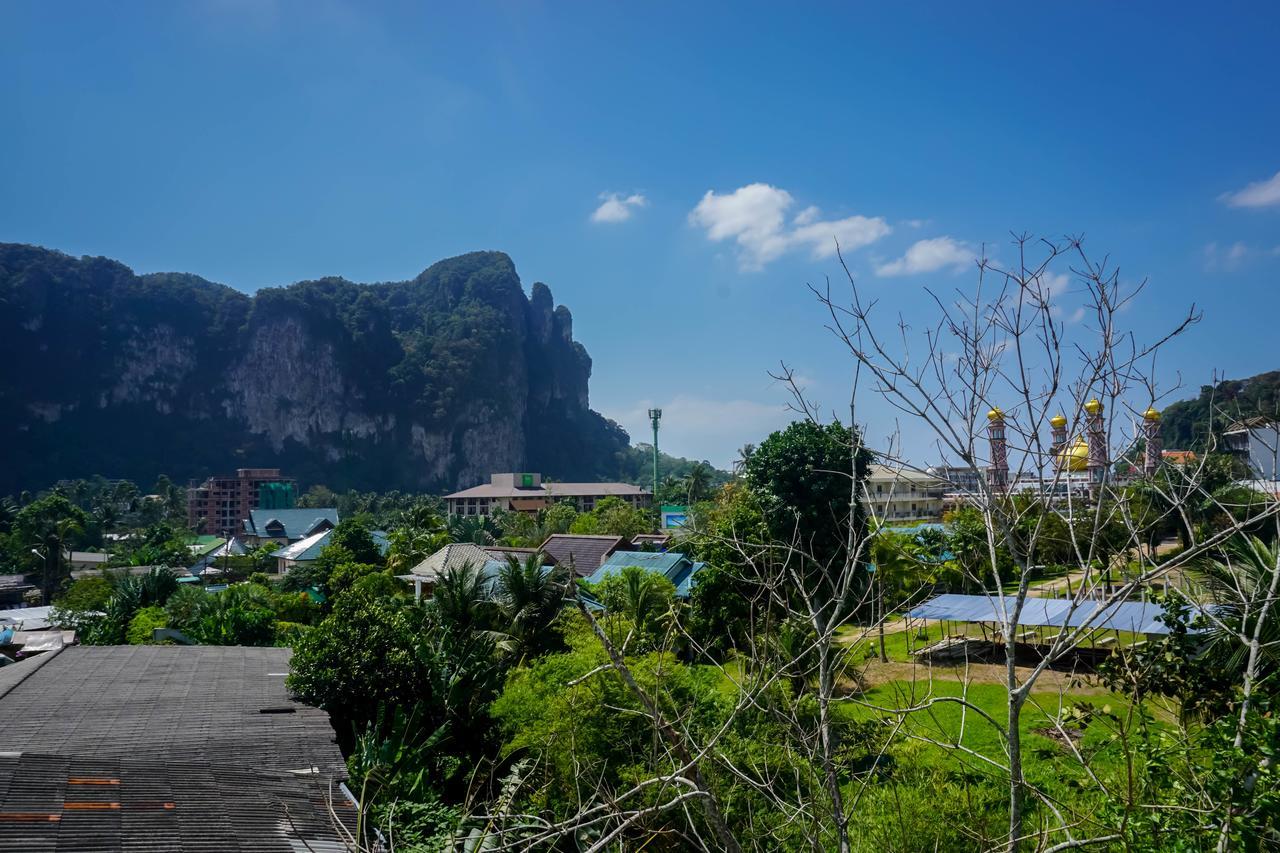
[[1080, 465]]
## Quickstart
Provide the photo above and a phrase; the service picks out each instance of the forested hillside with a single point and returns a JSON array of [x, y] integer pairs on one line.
[[1188, 423]]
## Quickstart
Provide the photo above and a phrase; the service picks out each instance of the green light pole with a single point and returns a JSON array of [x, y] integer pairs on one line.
[[655, 415]]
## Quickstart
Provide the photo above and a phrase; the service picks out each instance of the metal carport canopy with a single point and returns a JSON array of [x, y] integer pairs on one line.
[[1137, 617]]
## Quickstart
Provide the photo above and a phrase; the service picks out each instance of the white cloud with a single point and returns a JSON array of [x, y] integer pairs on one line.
[[930, 256], [1227, 258], [1055, 283], [755, 218], [614, 207], [701, 428], [1257, 194]]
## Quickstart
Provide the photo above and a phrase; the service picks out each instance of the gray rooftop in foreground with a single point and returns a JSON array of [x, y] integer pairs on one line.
[[224, 704], [189, 749], [57, 804]]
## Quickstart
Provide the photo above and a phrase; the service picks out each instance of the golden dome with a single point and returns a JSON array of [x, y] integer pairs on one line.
[[1151, 414], [1074, 458], [1094, 406], [995, 414], [1058, 421]]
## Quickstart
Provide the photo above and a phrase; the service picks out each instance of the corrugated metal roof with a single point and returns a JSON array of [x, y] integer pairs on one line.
[[169, 702], [189, 749], [26, 618], [298, 549], [60, 804], [1137, 617], [674, 566]]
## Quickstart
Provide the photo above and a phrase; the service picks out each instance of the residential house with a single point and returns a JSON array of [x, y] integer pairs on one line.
[[285, 526], [456, 555], [585, 553], [86, 559], [13, 590], [305, 551], [1256, 442], [675, 567], [529, 493], [650, 541], [502, 552]]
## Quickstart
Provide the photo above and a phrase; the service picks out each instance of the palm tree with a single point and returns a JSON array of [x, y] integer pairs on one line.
[[744, 455], [529, 596], [1240, 580], [50, 546], [642, 600], [461, 599], [697, 482], [414, 538], [476, 529], [8, 512]]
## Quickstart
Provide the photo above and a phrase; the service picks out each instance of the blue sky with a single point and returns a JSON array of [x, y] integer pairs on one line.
[[260, 143]]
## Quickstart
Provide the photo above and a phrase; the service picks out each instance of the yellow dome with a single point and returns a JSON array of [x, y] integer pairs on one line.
[[1075, 458], [1094, 406], [995, 414], [1151, 414], [1058, 421]]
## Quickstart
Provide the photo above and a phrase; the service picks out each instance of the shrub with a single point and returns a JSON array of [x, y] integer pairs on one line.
[[143, 625], [86, 594]]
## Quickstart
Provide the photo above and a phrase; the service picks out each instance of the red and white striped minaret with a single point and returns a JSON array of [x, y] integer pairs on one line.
[[1151, 432], [1095, 428], [998, 471]]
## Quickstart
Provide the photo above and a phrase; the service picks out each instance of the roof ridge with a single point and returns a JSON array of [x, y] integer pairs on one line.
[[40, 661]]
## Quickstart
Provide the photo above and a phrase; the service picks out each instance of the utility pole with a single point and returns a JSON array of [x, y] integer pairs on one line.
[[655, 415]]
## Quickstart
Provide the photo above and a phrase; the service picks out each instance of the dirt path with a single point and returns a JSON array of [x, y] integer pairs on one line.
[[875, 673]]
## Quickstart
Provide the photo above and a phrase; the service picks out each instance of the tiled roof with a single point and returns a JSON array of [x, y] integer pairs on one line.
[[298, 523], [58, 804], [201, 703], [501, 552], [11, 582], [455, 555], [587, 553]]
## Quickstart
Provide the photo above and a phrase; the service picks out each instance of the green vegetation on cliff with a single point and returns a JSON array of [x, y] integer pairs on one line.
[[1188, 423], [426, 384]]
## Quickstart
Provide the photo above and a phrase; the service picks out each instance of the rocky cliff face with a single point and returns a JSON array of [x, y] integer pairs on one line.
[[427, 384]]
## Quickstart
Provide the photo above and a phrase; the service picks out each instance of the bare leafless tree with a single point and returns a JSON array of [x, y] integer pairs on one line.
[[1001, 352]]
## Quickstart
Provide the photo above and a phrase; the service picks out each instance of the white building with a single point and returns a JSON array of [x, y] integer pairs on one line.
[[897, 495]]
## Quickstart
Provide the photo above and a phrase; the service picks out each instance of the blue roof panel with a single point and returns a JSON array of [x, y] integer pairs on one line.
[[1138, 617]]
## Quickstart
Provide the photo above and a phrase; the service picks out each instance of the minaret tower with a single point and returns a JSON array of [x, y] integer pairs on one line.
[[1151, 432], [998, 472], [1058, 435], [1095, 428]]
